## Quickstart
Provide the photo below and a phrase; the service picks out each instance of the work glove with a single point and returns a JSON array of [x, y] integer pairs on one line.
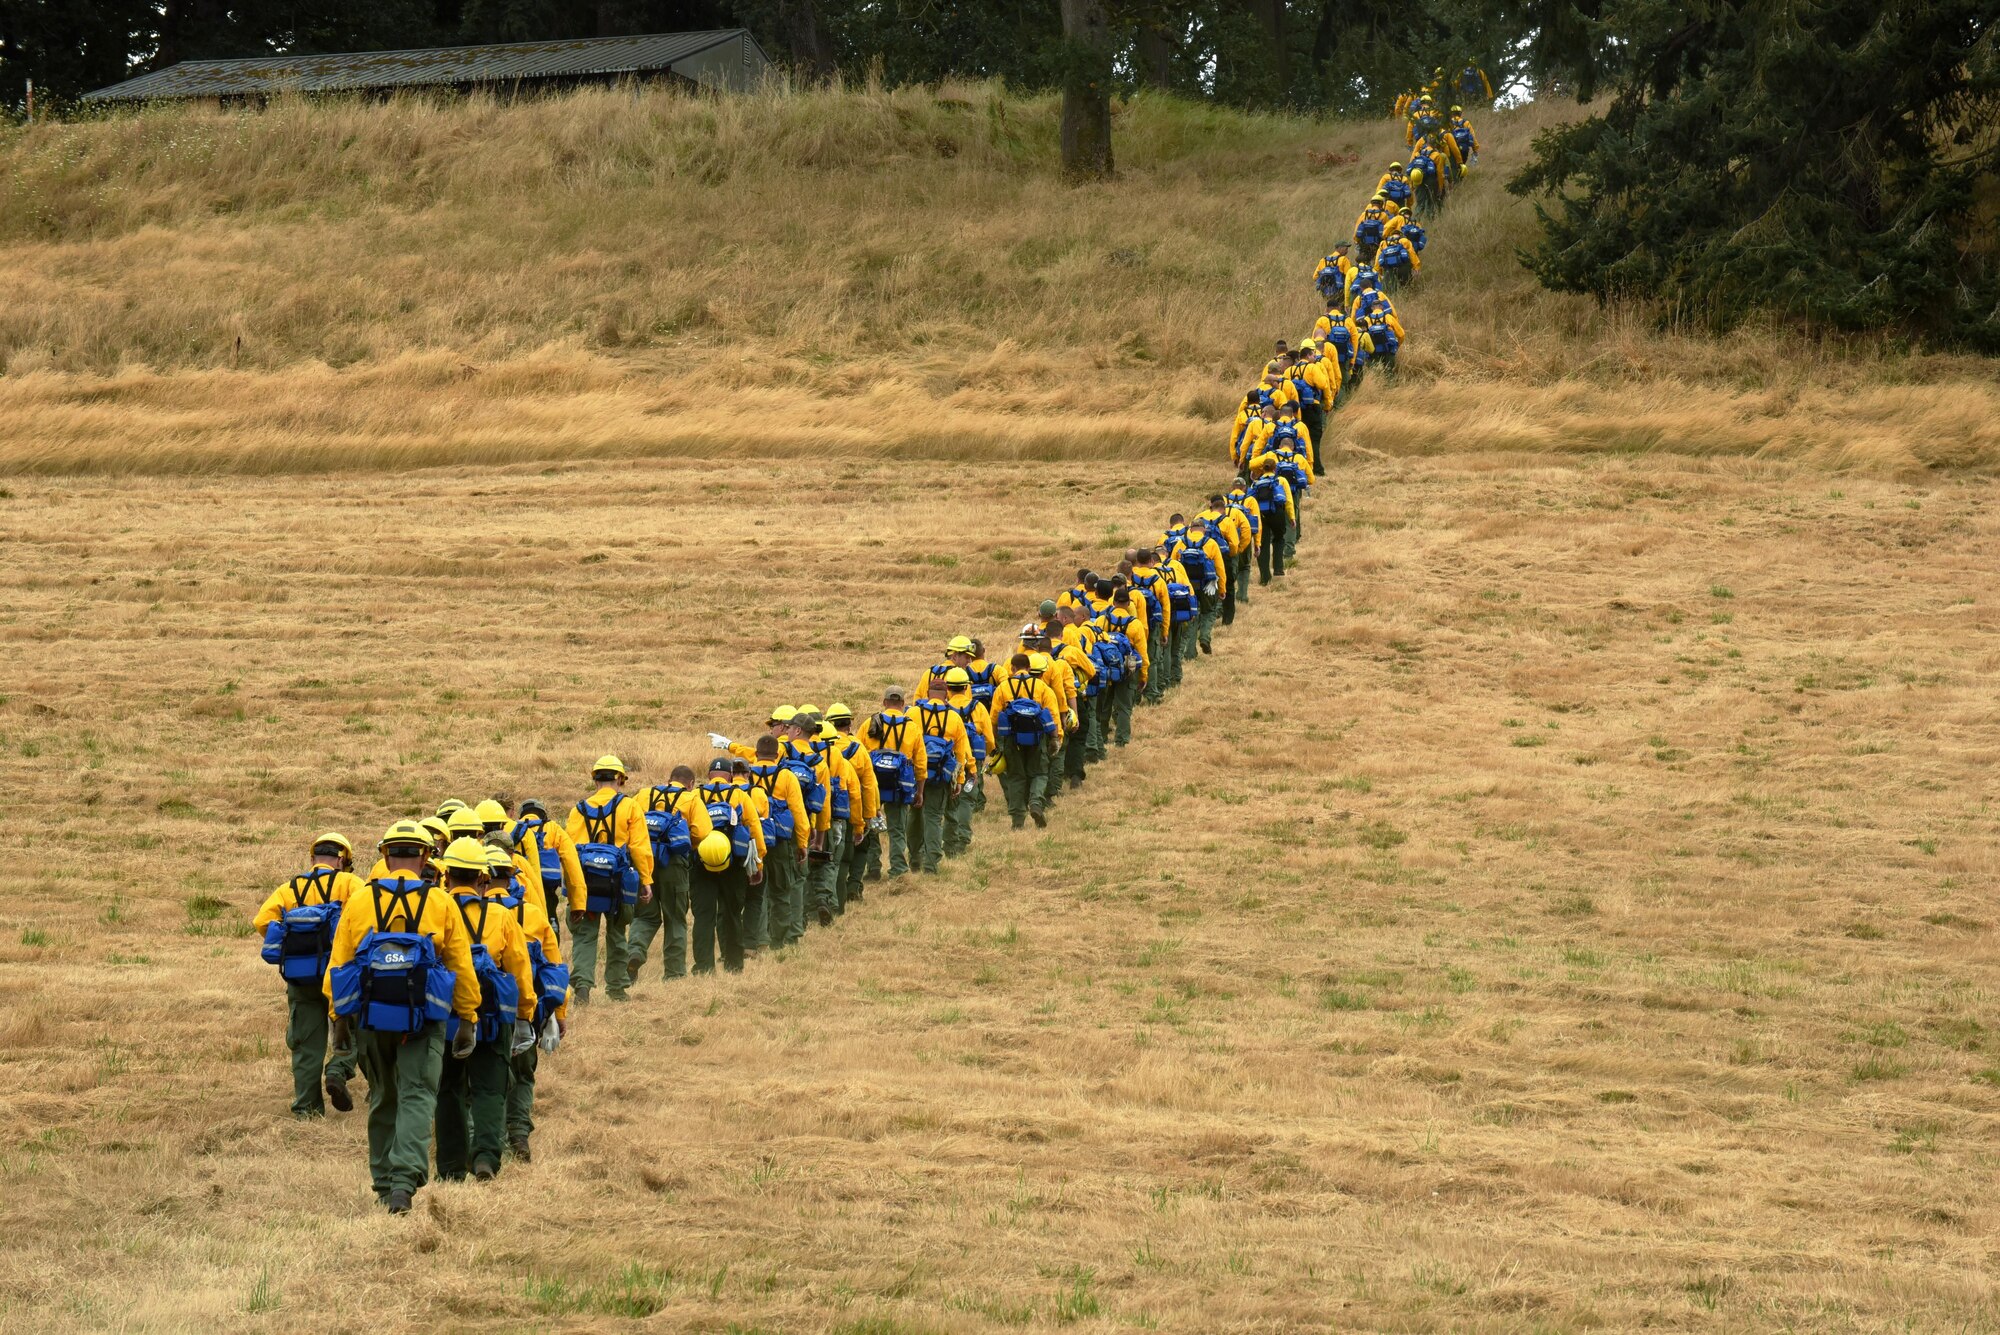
[[552, 1035], [524, 1037], [461, 1043], [1210, 588], [878, 823], [718, 741]]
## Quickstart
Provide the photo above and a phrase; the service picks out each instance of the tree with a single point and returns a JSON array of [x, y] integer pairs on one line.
[[1829, 173], [1086, 104]]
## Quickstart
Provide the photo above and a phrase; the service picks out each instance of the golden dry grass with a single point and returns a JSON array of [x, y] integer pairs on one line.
[[358, 286], [1561, 906]]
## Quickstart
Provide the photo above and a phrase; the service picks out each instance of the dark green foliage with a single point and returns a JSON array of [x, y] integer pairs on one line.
[[1825, 164]]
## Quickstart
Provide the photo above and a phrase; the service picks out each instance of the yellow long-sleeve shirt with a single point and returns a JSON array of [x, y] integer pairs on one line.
[[856, 754], [533, 920], [899, 733], [321, 885], [490, 925], [938, 719], [781, 788], [1022, 685], [531, 837]]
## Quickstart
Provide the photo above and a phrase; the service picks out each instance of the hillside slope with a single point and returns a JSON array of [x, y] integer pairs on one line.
[[851, 273]]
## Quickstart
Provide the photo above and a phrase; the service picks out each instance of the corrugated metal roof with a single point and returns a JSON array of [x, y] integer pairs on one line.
[[399, 69]]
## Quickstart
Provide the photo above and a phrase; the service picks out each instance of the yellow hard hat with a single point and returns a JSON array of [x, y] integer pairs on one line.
[[499, 859], [405, 832], [784, 714], [958, 677], [1308, 344], [828, 733], [1417, 175], [838, 711], [805, 709], [490, 812], [959, 644], [715, 851], [612, 763], [446, 807], [337, 839], [464, 855], [464, 821], [1038, 662], [1394, 165], [1458, 108], [437, 828]]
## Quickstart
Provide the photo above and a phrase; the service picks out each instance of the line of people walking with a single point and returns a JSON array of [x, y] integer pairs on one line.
[[443, 976]]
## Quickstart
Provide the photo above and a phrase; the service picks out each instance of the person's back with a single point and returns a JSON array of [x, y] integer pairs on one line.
[[896, 747], [550, 973], [615, 850], [296, 924], [471, 1119], [399, 966]]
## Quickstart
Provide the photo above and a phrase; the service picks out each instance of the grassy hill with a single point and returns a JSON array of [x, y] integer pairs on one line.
[[853, 273]]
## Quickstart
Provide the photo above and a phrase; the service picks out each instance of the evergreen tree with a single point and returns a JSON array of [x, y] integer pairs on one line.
[[1824, 164]]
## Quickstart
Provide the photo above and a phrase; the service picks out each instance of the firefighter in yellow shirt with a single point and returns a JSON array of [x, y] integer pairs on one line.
[[400, 1045], [1027, 723], [472, 1089], [848, 886], [549, 854], [979, 732], [896, 743], [300, 947], [539, 934], [787, 837], [948, 770], [608, 819], [665, 915]]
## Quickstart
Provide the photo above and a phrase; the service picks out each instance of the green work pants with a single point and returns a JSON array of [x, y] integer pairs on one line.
[[843, 888], [402, 1103], [1161, 674], [1240, 581], [583, 951], [894, 842], [756, 919], [1176, 637], [958, 828], [1076, 750], [1096, 723], [824, 872], [858, 859], [472, 1109], [306, 1026], [717, 899], [1024, 779], [665, 916], [781, 894], [1122, 696], [927, 841], [1204, 626], [521, 1094]]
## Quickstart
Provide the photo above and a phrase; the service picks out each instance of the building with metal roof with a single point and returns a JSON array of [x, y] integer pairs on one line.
[[725, 59]]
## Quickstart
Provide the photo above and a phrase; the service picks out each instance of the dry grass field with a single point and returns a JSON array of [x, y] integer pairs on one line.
[[1564, 904]]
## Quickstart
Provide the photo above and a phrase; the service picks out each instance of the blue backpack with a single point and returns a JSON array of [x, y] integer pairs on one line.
[[809, 785], [610, 881], [302, 937], [843, 801], [395, 983], [1212, 530], [1265, 491], [666, 827], [1398, 189], [983, 683], [895, 773], [1200, 570], [1393, 253], [941, 755], [972, 732], [529, 830], [780, 824], [1368, 231], [499, 992], [727, 818], [1025, 721], [1416, 236], [1184, 604]]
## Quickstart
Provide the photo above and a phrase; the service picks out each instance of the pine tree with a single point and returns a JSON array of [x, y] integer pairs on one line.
[[1824, 164]]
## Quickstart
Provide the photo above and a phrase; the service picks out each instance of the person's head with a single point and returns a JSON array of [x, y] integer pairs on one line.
[[1104, 588], [1038, 664], [806, 724], [893, 699], [1215, 501], [609, 771], [1177, 520], [1281, 347], [492, 815], [1086, 577], [446, 807], [841, 717], [464, 864], [1342, 247], [499, 867], [958, 650], [957, 681], [938, 690], [464, 823], [681, 774], [1047, 611], [439, 832], [406, 846], [332, 850], [1395, 169], [739, 772], [1121, 597], [721, 769], [780, 720], [767, 747]]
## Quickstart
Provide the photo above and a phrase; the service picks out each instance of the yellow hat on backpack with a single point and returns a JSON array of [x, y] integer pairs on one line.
[[609, 764], [490, 812], [715, 851], [405, 832], [464, 855]]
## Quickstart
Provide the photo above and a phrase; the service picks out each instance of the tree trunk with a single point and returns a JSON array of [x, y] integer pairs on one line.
[[1270, 15], [1155, 57], [1086, 109], [812, 53], [1324, 40]]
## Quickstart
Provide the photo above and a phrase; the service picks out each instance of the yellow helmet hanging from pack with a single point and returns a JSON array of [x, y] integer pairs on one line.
[[715, 851]]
